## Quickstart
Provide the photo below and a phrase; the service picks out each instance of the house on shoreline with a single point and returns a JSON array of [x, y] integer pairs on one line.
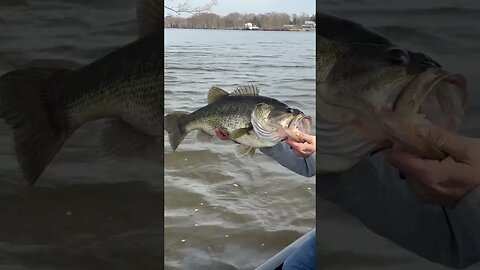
[[309, 26], [250, 26]]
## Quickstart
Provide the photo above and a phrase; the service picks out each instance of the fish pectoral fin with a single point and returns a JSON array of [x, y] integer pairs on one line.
[[246, 90], [251, 152], [243, 150], [240, 132], [203, 136], [119, 139], [215, 93]]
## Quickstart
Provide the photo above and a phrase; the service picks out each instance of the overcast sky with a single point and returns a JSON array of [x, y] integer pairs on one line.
[[251, 6]]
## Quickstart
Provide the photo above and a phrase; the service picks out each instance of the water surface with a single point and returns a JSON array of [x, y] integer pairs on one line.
[[224, 212]]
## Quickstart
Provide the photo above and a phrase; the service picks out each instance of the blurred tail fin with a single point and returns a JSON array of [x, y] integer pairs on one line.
[[23, 106]]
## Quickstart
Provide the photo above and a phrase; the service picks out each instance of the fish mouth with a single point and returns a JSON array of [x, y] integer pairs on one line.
[[445, 103], [439, 96], [301, 122], [434, 96]]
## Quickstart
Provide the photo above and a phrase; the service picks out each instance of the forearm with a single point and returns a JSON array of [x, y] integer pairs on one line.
[[374, 193], [465, 220], [284, 155]]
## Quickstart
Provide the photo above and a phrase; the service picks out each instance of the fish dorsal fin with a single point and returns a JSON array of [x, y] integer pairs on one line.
[[246, 90], [215, 93], [149, 17]]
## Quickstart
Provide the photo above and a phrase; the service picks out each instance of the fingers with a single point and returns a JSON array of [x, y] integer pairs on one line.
[[436, 196], [301, 137], [299, 154], [301, 149], [459, 172], [299, 146], [295, 135], [441, 190], [307, 138], [405, 162], [296, 146], [437, 182], [428, 172], [453, 144]]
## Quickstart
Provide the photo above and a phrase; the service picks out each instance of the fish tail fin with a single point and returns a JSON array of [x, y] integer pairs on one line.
[[176, 132], [37, 132]]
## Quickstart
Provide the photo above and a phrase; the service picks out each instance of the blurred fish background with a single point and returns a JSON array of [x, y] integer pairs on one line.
[[449, 32], [85, 212]]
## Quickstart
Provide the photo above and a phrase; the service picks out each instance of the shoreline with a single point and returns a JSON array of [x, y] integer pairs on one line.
[[256, 30]]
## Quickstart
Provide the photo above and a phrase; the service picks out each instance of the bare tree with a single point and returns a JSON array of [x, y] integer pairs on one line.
[[185, 7], [235, 20]]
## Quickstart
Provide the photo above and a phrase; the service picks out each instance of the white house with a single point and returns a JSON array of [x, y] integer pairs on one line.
[[309, 25], [250, 26]]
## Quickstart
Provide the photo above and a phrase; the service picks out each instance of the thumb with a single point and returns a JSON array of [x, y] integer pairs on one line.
[[307, 138], [454, 145], [295, 135]]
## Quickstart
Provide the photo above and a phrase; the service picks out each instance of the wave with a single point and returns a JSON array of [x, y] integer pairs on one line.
[[102, 4], [14, 3], [56, 63], [65, 22], [405, 12]]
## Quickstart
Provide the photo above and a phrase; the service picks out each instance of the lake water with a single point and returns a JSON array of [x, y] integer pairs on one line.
[[233, 212]]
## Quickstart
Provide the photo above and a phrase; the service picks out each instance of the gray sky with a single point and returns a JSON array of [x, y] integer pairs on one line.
[[250, 6]]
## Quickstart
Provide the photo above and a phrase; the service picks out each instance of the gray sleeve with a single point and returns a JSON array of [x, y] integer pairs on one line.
[[374, 192], [284, 155]]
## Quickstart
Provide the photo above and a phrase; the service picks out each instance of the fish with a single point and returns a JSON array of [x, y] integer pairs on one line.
[[372, 93], [44, 106], [251, 120]]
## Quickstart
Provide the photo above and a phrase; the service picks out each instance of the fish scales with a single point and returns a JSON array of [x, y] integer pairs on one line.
[[230, 112], [125, 82], [251, 120]]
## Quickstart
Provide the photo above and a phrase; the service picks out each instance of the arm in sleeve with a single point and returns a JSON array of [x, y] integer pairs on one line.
[[374, 192], [284, 155]]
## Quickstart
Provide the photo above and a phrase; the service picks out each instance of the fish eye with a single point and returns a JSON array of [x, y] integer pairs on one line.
[[398, 55], [289, 110]]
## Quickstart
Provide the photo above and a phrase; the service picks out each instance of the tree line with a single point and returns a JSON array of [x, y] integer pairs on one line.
[[266, 21]]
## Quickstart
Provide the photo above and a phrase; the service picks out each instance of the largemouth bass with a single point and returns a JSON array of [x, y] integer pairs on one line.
[[371, 93], [251, 120], [44, 106]]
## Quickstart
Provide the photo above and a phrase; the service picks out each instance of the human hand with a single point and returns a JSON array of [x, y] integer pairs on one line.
[[302, 144], [442, 182]]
